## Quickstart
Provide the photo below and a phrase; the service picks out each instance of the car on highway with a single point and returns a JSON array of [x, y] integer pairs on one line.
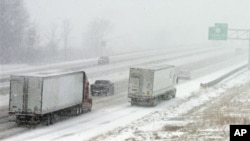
[[103, 60], [102, 88]]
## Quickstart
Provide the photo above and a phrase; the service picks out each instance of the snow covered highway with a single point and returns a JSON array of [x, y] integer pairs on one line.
[[114, 111], [117, 62], [124, 70]]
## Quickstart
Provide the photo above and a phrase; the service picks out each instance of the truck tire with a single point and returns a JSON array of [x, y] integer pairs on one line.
[[81, 110], [113, 91], [77, 110], [154, 102], [48, 120], [133, 102], [90, 108], [53, 118], [173, 93], [18, 124], [173, 96], [165, 96]]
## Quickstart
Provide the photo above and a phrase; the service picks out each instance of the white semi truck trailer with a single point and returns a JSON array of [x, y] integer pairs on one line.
[[151, 83], [43, 97]]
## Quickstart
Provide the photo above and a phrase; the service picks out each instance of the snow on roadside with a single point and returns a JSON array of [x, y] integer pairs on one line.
[[152, 126]]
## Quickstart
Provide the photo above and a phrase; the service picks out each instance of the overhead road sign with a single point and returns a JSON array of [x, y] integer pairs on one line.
[[218, 32]]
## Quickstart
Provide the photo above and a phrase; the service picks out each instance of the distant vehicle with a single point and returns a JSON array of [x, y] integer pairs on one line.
[[103, 60], [43, 98], [102, 87], [150, 84], [184, 74]]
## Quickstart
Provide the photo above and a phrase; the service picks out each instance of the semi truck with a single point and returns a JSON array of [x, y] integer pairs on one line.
[[149, 84], [44, 97]]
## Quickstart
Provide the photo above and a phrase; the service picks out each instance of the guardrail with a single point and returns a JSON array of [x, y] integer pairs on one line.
[[216, 81]]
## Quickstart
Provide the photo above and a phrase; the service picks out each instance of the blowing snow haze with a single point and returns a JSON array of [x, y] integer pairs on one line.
[[108, 27], [136, 22], [169, 69]]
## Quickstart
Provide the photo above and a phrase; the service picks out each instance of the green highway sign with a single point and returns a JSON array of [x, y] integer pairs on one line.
[[218, 32]]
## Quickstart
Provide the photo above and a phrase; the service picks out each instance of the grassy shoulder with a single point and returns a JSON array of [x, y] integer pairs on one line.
[[211, 121]]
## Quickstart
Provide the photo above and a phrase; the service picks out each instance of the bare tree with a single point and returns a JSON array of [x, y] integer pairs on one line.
[[53, 42], [65, 35], [32, 41], [33, 37], [95, 37], [52, 37], [13, 23]]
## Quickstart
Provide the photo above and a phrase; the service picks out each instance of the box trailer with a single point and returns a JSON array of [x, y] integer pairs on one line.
[[150, 83], [40, 97]]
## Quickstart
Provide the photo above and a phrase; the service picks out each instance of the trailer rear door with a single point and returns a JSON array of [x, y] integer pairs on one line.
[[135, 82], [34, 103], [16, 94]]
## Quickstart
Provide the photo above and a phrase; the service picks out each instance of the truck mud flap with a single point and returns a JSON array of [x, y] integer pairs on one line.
[[146, 102]]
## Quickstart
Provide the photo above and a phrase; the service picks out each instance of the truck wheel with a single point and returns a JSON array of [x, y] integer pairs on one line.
[[90, 108], [113, 91], [133, 102], [48, 120], [77, 111], [173, 93], [154, 102], [18, 122], [81, 110], [52, 119], [170, 96], [165, 96]]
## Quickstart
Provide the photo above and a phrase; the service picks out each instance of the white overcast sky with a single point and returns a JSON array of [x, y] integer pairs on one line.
[[185, 21]]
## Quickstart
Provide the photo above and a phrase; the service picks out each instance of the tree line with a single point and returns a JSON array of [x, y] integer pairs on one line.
[[20, 38]]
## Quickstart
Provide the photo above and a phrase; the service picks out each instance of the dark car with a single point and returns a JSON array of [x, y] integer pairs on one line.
[[102, 87], [103, 60]]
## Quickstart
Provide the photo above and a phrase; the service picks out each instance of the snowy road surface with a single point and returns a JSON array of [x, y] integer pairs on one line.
[[119, 117], [113, 112]]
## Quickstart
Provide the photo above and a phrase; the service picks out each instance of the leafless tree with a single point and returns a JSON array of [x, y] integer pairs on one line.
[[65, 35], [51, 48], [32, 41], [95, 37], [13, 27]]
